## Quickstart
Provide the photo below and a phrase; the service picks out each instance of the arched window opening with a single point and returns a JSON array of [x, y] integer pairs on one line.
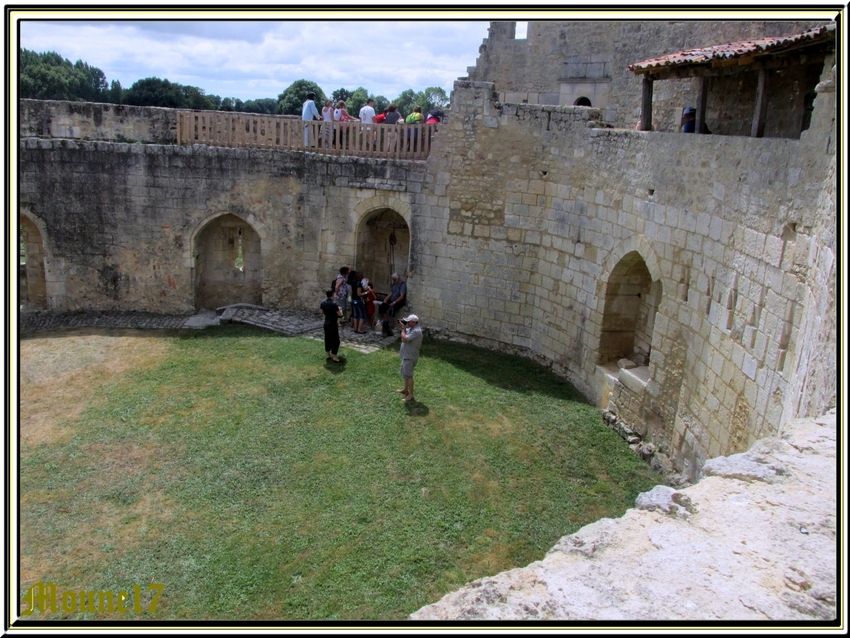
[[631, 303], [582, 101], [228, 264], [32, 274]]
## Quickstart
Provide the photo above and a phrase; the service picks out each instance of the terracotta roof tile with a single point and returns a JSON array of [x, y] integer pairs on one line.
[[734, 50]]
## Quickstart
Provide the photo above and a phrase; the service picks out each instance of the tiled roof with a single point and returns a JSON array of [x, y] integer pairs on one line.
[[744, 49]]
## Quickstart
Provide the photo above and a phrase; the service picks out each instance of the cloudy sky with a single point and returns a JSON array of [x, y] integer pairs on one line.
[[251, 59]]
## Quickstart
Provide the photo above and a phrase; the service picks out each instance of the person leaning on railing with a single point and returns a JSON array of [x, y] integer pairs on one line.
[[392, 117], [328, 116], [341, 115], [415, 117], [309, 113]]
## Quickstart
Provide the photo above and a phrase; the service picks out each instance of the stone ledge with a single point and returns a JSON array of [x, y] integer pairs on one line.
[[726, 548]]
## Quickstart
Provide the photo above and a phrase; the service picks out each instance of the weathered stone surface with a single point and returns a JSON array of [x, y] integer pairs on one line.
[[733, 550]]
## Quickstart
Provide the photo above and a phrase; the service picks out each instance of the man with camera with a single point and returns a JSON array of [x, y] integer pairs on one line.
[[411, 341]]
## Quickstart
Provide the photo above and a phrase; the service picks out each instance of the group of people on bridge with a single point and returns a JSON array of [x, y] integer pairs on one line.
[[332, 114]]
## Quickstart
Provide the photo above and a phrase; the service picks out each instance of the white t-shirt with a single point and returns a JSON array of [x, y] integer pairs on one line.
[[367, 114]]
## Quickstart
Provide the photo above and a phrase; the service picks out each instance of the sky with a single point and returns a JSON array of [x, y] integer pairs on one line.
[[250, 59]]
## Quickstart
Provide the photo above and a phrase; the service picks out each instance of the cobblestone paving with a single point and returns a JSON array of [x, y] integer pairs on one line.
[[289, 323], [307, 324]]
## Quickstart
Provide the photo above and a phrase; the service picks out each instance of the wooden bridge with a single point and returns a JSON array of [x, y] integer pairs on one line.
[[221, 128]]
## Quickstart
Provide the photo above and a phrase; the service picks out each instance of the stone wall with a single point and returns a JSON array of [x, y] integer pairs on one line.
[[561, 61], [128, 226], [91, 121], [535, 208]]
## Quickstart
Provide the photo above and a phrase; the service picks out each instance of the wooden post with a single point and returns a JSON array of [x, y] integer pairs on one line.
[[702, 101], [761, 105], [646, 104]]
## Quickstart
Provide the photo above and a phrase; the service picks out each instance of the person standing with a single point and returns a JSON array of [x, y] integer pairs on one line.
[[332, 313], [367, 116], [411, 342], [392, 117], [309, 113], [367, 113], [358, 304], [371, 297], [341, 289], [328, 118]]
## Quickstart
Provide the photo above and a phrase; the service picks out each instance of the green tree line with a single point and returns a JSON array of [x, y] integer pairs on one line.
[[49, 76]]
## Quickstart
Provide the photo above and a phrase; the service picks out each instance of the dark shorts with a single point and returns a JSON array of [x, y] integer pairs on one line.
[[358, 309]]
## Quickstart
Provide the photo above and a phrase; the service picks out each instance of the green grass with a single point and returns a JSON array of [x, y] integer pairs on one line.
[[255, 481]]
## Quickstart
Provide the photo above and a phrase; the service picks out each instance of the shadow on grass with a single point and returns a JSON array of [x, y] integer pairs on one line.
[[415, 408], [502, 370], [335, 366]]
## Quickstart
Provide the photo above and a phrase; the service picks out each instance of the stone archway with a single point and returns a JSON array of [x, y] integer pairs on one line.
[[227, 263], [383, 247], [632, 299], [32, 274]]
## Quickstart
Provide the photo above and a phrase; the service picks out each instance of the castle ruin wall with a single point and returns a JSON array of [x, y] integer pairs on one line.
[[535, 207], [710, 260], [559, 62], [96, 121], [121, 222]]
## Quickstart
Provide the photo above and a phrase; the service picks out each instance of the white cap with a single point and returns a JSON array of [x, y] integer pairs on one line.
[[412, 318]]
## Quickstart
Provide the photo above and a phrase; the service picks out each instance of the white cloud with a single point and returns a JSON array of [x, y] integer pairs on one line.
[[255, 59]]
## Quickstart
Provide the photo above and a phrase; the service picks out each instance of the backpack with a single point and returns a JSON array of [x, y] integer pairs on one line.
[[344, 289]]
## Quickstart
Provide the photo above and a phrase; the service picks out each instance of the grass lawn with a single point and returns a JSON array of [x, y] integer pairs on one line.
[[255, 481]]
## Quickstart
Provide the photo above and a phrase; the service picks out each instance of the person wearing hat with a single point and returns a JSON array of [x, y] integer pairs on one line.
[[689, 122], [689, 119], [411, 341], [309, 112]]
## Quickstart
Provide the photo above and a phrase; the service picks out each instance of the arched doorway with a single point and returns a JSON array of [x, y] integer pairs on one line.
[[631, 303], [32, 277], [582, 101], [228, 264], [383, 247]]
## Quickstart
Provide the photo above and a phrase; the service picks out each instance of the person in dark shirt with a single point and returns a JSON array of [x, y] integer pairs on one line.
[[332, 312]]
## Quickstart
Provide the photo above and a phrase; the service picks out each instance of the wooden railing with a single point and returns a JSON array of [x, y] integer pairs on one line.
[[218, 128]]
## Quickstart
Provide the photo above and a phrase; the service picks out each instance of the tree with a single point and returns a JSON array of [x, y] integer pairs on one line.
[[406, 101], [227, 104], [264, 105], [49, 76], [381, 102], [155, 92], [341, 94], [92, 82], [194, 98], [357, 101], [432, 98], [291, 100], [116, 93]]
